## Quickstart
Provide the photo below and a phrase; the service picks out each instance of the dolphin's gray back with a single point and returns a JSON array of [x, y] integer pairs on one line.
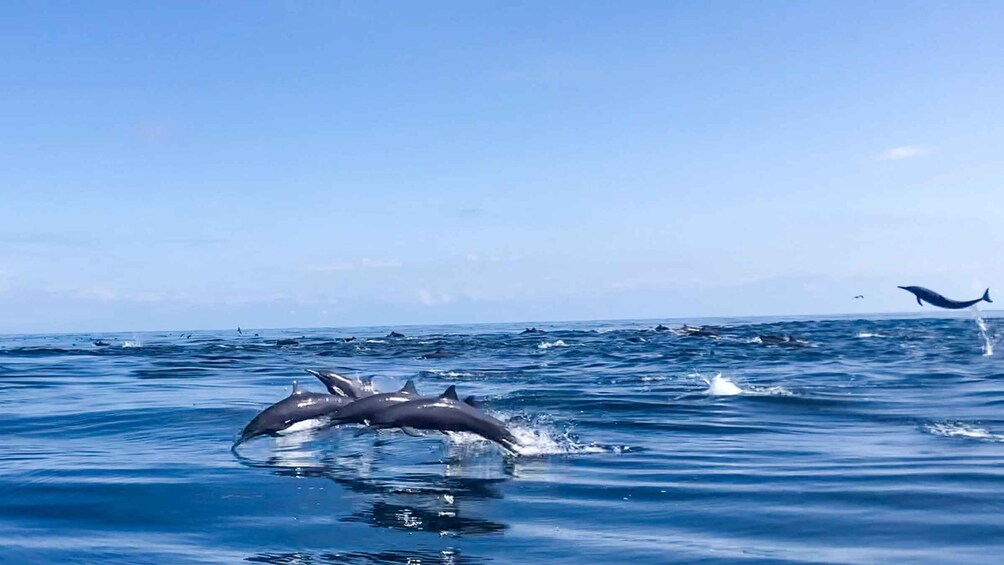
[[294, 408], [366, 408], [445, 415]]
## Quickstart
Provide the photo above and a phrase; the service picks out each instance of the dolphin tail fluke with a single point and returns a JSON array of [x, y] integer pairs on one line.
[[986, 296]]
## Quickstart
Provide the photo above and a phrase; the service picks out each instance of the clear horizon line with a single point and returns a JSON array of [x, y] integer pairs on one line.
[[779, 317]]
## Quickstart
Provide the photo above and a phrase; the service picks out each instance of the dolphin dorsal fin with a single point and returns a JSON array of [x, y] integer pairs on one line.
[[296, 389], [450, 393], [471, 401], [409, 387]]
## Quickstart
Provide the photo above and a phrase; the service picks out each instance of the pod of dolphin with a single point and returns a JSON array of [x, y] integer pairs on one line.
[[352, 401]]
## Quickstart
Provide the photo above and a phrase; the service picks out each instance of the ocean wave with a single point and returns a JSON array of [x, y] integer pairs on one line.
[[965, 430], [549, 345], [449, 374]]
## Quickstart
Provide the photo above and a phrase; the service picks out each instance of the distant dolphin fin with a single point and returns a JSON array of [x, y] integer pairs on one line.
[[471, 401], [450, 393], [409, 387], [986, 296], [411, 431]]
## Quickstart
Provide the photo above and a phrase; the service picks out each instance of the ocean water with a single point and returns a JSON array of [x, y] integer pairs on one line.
[[858, 441]]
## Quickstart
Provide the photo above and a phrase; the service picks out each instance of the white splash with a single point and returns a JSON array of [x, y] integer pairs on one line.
[[963, 430], [988, 343], [450, 374], [535, 439], [544, 441], [722, 386], [864, 335], [547, 345], [768, 391]]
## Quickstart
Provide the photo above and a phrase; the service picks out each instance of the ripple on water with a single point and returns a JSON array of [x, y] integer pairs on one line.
[[882, 442]]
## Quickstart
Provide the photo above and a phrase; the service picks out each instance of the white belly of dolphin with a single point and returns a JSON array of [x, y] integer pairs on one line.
[[302, 426]]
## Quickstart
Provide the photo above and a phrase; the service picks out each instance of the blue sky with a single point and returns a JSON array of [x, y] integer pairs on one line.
[[291, 164]]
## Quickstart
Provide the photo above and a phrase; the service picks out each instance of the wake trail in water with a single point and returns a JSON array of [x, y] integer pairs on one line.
[[964, 430]]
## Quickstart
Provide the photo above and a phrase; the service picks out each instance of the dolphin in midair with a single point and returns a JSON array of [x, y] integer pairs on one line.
[[445, 413], [299, 406], [342, 386], [364, 409], [935, 299]]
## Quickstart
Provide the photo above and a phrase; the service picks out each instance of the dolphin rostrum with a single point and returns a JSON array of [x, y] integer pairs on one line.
[[935, 299], [299, 406], [342, 386], [445, 413], [362, 410]]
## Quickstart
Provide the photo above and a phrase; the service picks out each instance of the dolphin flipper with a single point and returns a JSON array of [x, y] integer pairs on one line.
[[919, 302]]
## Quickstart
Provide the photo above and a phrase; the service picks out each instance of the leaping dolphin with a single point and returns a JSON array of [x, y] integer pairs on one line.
[[299, 406], [342, 386], [935, 299], [446, 413], [364, 409]]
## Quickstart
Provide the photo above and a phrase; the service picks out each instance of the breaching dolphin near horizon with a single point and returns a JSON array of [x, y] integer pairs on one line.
[[935, 299], [300, 407], [445, 413]]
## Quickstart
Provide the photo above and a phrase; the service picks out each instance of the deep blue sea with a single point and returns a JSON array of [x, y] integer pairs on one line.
[[845, 441]]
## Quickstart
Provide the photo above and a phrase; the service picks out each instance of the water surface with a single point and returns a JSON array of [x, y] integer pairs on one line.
[[866, 440]]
